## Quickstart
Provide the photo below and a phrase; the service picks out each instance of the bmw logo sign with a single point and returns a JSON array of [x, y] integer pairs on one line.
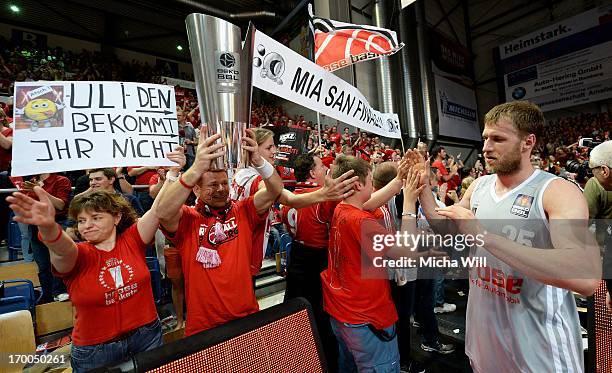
[[518, 93]]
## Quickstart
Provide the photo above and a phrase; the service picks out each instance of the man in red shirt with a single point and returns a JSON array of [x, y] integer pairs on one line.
[[309, 228], [438, 156], [215, 237], [362, 312], [335, 137]]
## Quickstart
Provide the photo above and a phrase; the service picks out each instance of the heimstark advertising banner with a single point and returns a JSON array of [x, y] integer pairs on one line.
[[562, 65], [284, 73]]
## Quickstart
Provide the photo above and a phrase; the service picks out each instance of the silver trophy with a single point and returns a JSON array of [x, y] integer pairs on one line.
[[222, 70]]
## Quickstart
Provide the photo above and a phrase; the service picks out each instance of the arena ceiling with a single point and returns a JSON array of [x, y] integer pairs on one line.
[[149, 26]]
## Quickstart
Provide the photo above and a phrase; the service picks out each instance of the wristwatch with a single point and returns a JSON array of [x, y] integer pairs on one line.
[[172, 178]]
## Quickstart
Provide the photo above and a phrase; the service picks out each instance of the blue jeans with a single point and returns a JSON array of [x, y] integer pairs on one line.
[[438, 290], [147, 337], [51, 285], [360, 350], [26, 250]]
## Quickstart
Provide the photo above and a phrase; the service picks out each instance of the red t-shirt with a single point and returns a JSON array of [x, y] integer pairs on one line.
[[111, 291], [388, 154], [443, 171], [247, 188], [383, 215], [309, 225], [364, 155], [154, 180], [347, 295], [327, 161], [59, 187], [143, 178], [6, 154], [217, 295], [335, 137]]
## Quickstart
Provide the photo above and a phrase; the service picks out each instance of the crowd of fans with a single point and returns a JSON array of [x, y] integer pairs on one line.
[[449, 176], [20, 64]]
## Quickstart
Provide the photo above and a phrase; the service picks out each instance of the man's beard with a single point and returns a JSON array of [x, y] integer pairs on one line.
[[508, 163]]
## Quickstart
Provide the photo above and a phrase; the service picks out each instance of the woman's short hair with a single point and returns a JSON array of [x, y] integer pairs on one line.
[[104, 201]]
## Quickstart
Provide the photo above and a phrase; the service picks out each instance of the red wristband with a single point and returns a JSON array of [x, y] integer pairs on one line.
[[59, 235], [184, 183]]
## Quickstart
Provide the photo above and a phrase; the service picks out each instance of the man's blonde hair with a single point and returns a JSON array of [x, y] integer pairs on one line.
[[526, 117], [383, 174]]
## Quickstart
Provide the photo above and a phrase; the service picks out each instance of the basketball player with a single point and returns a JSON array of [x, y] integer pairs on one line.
[[521, 314]]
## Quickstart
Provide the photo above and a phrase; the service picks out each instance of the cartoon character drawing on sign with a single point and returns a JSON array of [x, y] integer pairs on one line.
[[272, 66], [40, 107]]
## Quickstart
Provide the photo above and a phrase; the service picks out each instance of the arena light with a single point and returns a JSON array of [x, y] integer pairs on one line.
[[179, 47], [14, 8]]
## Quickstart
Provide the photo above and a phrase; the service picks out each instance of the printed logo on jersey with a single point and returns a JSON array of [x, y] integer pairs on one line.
[[499, 283], [522, 205], [220, 232], [116, 276]]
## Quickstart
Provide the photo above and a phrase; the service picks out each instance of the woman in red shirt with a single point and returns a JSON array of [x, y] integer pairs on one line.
[[106, 275]]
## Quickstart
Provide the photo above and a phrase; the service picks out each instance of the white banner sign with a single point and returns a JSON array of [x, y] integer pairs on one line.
[[456, 110], [284, 73], [62, 126], [562, 65]]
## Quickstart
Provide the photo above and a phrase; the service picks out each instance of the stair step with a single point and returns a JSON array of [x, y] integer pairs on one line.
[[268, 285]]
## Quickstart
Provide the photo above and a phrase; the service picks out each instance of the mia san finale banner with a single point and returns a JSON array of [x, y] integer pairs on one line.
[[62, 126], [284, 73]]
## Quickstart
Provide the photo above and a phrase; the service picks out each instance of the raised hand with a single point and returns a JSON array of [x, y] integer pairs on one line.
[[207, 151], [402, 169], [417, 162], [442, 192], [30, 211], [340, 187], [412, 188], [250, 145], [177, 156]]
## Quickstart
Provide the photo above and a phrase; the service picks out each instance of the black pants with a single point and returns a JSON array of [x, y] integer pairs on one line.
[[403, 297], [424, 310], [304, 280]]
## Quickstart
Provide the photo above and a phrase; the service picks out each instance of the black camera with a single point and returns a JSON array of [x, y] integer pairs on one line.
[[582, 170]]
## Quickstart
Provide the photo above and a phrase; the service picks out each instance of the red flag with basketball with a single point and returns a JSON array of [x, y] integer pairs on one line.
[[339, 44]]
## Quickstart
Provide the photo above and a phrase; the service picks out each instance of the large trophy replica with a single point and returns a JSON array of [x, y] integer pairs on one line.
[[222, 71]]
